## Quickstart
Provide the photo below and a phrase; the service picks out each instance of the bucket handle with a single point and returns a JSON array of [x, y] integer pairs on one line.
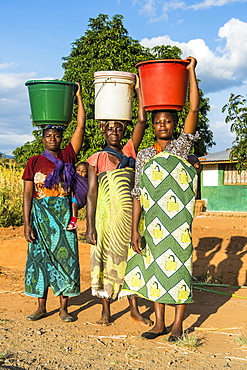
[[102, 87]]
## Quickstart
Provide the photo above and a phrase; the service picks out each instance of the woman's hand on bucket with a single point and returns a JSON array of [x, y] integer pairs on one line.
[[137, 82], [193, 63], [136, 242], [78, 92]]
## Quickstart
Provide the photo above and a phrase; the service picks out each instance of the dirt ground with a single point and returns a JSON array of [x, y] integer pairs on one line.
[[216, 322]]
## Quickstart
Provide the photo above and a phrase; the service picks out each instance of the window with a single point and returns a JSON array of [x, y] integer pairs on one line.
[[210, 175], [232, 177]]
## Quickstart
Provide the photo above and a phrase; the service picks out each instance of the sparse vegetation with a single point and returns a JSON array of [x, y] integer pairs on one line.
[[11, 188], [241, 339], [207, 278], [189, 341], [3, 356], [2, 321]]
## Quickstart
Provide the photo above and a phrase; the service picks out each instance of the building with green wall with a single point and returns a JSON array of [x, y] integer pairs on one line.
[[222, 187]]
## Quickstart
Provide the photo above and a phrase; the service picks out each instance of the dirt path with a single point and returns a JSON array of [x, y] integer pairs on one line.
[[216, 320]]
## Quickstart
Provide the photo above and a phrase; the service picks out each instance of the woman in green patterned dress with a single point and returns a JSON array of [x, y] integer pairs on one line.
[[165, 187], [52, 258]]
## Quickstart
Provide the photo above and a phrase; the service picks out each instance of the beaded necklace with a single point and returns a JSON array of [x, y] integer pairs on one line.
[[158, 148]]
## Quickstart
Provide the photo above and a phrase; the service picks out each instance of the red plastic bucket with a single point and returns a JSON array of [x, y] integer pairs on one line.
[[164, 83]]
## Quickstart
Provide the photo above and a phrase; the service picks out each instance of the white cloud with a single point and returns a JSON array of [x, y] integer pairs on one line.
[[173, 5], [10, 140], [219, 126], [212, 3], [156, 10], [147, 7], [10, 137], [219, 69], [8, 65], [213, 107], [235, 50], [6, 101], [14, 80], [15, 122], [222, 135]]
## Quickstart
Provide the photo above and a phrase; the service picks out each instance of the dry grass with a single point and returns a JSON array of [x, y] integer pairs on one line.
[[11, 189], [241, 339], [3, 356], [207, 278], [190, 342]]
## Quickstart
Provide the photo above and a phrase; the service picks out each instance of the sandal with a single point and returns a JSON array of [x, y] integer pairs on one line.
[[151, 335], [35, 317], [67, 318], [71, 226]]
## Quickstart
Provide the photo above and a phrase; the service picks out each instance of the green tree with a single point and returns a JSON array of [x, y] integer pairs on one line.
[[236, 109], [166, 52], [106, 45]]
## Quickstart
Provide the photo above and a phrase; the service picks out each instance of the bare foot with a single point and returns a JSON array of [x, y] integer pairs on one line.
[[104, 320], [157, 329], [141, 320], [177, 331]]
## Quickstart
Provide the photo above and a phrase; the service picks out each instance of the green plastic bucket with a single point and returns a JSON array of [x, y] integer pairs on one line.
[[51, 101]]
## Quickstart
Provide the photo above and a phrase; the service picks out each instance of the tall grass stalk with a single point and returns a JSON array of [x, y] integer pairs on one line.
[[11, 189]]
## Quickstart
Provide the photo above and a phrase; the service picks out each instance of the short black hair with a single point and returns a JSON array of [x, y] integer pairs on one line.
[[84, 163], [173, 114]]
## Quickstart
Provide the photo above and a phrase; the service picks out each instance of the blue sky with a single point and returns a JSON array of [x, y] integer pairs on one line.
[[35, 35]]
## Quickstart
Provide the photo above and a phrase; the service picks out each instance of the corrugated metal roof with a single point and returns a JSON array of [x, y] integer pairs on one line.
[[222, 156]]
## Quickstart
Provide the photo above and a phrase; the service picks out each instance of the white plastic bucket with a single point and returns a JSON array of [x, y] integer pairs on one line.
[[113, 95]]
